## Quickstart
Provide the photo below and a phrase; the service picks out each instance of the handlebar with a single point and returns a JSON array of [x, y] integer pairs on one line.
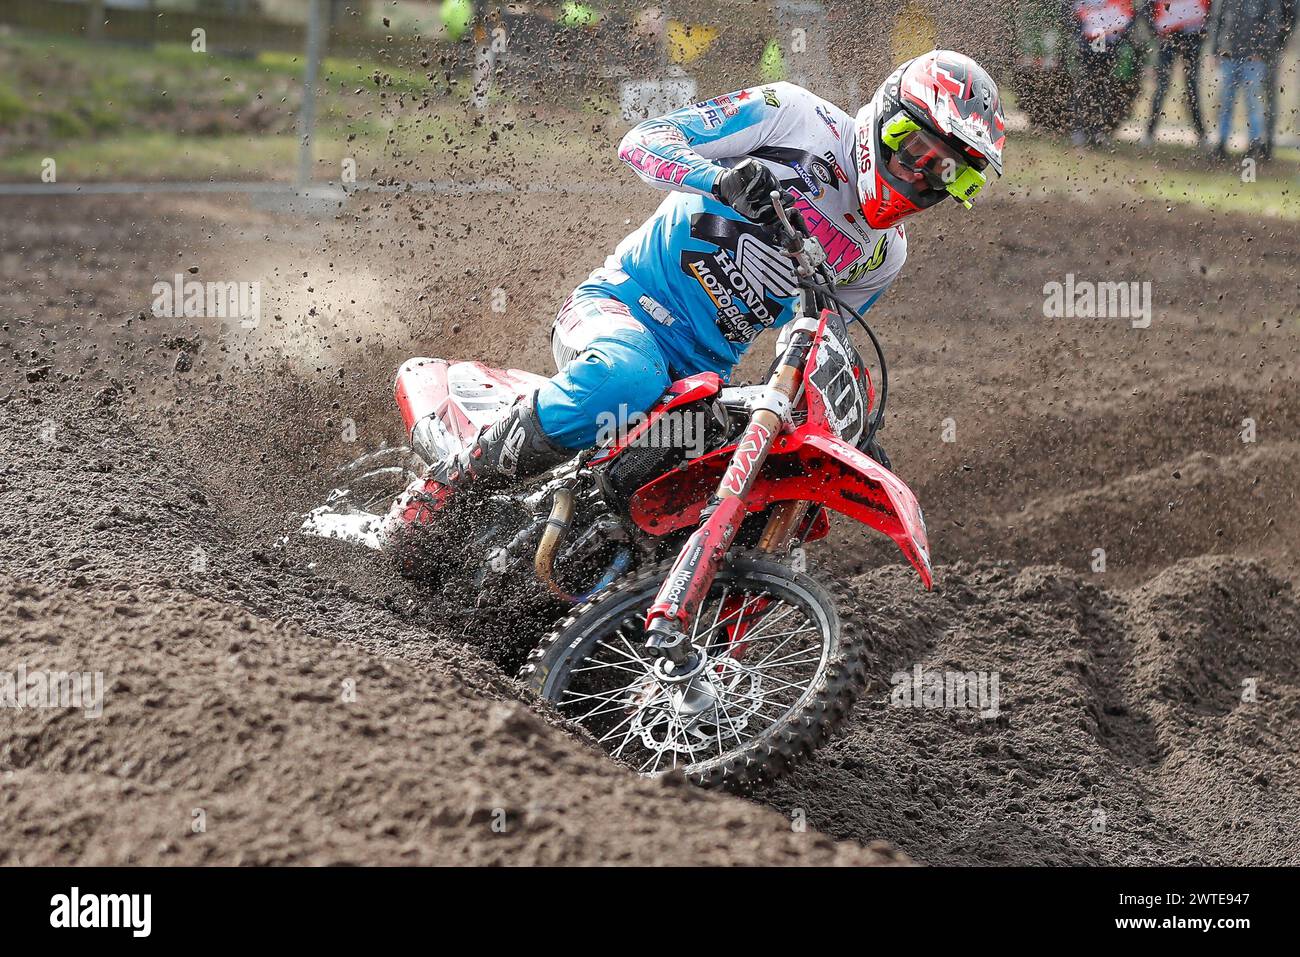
[[799, 245]]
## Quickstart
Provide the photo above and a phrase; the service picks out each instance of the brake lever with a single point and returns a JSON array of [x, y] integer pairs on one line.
[[793, 240], [806, 251]]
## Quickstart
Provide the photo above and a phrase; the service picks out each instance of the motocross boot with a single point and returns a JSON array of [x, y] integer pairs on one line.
[[512, 449]]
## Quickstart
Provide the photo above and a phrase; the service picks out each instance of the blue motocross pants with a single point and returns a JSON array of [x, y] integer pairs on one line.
[[610, 366]]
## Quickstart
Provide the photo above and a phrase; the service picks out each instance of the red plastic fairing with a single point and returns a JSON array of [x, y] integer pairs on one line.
[[804, 465], [420, 389], [423, 388], [681, 392]]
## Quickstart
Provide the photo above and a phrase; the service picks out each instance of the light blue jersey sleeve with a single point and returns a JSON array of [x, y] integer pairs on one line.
[[677, 151]]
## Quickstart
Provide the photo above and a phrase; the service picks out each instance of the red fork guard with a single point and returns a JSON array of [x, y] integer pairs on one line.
[[697, 564]]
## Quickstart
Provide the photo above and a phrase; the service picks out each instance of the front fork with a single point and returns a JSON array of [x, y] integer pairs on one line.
[[668, 623]]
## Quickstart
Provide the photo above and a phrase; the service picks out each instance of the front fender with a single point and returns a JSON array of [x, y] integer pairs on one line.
[[804, 465], [860, 487]]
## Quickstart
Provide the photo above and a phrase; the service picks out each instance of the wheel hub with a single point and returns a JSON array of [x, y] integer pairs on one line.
[[718, 701]]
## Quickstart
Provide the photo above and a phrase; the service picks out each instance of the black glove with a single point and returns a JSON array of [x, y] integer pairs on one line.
[[748, 190]]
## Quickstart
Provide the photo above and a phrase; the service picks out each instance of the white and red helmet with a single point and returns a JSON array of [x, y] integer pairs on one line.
[[941, 115]]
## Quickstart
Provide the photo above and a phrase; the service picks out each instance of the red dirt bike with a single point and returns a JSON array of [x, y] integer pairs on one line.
[[696, 641]]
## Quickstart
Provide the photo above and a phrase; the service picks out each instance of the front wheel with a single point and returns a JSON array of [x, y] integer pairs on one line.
[[780, 674]]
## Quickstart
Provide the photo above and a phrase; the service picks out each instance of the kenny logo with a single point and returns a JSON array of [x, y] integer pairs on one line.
[[133, 911]]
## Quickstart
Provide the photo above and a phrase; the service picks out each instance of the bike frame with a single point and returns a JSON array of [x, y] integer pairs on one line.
[[774, 461]]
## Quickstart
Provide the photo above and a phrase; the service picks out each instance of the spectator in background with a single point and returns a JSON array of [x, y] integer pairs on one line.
[[1270, 74], [1101, 24], [1180, 29], [1246, 34]]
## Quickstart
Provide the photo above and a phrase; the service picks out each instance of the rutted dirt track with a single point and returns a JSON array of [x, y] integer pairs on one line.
[[142, 510]]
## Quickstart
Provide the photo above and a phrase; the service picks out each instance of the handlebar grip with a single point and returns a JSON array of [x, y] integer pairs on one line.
[[788, 218]]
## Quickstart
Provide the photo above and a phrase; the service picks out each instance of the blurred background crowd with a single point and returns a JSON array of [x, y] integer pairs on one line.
[[1241, 41], [110, 81]]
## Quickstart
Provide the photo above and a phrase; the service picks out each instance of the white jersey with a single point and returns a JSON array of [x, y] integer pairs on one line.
[[719, 279]]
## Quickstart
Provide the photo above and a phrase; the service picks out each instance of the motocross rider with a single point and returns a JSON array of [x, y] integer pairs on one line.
[[691, 289]]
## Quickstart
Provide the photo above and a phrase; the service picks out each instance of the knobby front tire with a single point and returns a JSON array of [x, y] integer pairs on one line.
[[768, 701]]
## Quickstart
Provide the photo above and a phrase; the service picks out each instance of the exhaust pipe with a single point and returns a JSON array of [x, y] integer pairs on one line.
[[557, 526]]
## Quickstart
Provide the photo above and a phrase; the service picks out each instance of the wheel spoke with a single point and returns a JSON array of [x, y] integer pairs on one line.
[[632, 658], [787, 660], [686, 737], [762, 621], [770, 617], [767, 679], [766, 622], [637, 654], [782, 644], [606, 695], [722, 602], [609, 665], [609, 734]]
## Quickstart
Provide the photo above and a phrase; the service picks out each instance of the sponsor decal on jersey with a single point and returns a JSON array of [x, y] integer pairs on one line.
[[732, 320], [829, 121], [656, 310], [814, 171], [709, 115], [770, 98], [834, 166], [865, 233], [741, 309], [815, 188], [656, 167], [727, 104], [744, 277], [842, 250], [871, 263], [765, 268]]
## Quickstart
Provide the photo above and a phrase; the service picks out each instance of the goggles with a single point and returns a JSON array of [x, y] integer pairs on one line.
[[944, 168]]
